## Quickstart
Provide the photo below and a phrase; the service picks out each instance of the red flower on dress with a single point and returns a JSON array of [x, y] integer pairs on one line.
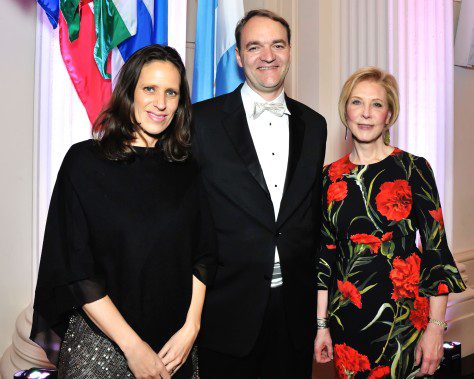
[[442, 289], [349, 291], [394, 200], [340, 167], [437, 214], [405, 276], [387, 237], [367, 239], [331, 247], [419, 316], [337, 192], [379, 372], [349, 361], [396, 151]]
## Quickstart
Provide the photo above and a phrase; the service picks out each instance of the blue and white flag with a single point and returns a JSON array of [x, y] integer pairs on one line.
[[51, 7], [215, 67], [151, 27]]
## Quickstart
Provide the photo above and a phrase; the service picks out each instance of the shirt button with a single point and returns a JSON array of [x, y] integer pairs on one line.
[[276, 185], [273, 153]]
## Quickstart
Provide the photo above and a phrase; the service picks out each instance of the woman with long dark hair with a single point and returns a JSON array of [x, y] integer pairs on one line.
[[129, 244]]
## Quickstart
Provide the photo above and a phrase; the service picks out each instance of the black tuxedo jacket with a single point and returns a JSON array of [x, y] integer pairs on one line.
[[246, 228]]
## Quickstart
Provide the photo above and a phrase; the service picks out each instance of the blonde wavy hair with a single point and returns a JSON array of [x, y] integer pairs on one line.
[[372, 74]]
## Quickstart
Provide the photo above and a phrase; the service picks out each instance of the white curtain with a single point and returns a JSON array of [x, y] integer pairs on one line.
[[60, 121]]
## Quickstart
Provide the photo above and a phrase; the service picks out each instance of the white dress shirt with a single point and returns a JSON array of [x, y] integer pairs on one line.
[[270, 135]]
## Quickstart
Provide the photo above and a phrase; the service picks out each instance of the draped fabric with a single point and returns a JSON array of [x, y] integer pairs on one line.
[[135, 231]]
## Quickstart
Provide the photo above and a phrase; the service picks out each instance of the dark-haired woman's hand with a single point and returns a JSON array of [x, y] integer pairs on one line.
[[144, 362], [177, 349]]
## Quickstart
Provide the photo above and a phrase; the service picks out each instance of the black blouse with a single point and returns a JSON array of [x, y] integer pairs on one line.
[[136, 231]]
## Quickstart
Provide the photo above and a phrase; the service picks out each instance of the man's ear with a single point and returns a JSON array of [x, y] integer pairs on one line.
[[237, 56]]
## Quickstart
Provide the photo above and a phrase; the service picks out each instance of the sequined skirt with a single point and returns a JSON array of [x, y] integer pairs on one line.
[[86, 353]]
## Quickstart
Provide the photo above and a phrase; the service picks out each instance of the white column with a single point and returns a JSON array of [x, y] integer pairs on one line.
[[351, 34], [421, 58], [363, 38]]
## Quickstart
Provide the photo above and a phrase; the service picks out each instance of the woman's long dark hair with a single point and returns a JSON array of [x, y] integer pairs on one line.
[[116, 127]]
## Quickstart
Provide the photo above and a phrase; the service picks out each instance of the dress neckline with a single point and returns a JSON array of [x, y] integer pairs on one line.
[[143, 149], [394, 152]]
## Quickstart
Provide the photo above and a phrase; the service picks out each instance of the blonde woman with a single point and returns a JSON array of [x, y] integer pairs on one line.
[[381, 301]]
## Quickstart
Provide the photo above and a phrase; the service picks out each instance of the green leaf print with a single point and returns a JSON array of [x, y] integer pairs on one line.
[[393, 368], [379, 313]]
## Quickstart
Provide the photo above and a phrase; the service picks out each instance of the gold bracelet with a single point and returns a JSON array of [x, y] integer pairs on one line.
[[444, 324]]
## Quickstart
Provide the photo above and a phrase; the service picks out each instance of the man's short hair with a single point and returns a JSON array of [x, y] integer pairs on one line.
[[260, 13]]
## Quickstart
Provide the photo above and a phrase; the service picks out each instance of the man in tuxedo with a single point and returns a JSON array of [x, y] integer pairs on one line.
[[261, 155]]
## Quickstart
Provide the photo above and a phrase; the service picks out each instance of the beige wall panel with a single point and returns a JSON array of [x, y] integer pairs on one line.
[[329, 74], [255, 4], [190, 39], [17, 39], [306, 50], [463, 198]]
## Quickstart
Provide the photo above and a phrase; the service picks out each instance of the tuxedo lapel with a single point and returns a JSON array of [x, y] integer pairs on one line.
[[237, 127], [301, 164], [296, 134]]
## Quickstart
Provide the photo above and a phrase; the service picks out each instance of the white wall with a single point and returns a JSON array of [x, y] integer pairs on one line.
[[463, 199], [17, 41], [463, 202]]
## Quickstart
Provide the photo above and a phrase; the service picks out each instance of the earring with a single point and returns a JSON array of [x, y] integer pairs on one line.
[[386, 137], [345, 137]]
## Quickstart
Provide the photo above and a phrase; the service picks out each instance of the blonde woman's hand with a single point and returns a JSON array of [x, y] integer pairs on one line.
[[429, 350], [323, 351]]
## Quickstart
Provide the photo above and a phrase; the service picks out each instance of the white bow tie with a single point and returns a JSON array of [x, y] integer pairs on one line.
[[277, 109]]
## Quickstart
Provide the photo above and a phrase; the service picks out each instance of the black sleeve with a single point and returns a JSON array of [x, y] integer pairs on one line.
[[205, 255], [317, 189], [327, 253], [67, 277], [438, 274]]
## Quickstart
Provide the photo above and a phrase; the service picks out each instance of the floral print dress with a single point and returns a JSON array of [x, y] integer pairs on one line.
[[379, 282]]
